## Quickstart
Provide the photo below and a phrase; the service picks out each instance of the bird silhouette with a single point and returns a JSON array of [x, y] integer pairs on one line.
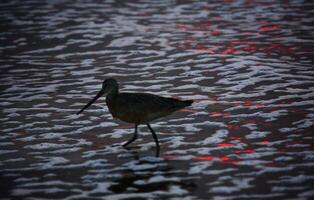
[[137, 108]]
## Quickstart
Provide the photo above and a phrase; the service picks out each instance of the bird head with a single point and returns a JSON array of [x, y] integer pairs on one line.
[[107, 86]]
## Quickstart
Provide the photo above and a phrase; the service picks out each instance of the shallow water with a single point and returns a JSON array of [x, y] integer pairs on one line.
[[248, 66]]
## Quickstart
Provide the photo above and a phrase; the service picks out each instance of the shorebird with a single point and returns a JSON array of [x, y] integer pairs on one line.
[[137, 108]]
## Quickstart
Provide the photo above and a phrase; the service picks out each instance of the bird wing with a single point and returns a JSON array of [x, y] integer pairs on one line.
[[143, 107], [144, 102]]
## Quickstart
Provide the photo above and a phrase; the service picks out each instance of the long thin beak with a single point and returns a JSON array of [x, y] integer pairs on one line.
[[100, 93]]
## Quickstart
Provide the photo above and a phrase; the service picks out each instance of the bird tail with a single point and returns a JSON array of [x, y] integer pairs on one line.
[[188, 102], [183, 104], [177, 104]]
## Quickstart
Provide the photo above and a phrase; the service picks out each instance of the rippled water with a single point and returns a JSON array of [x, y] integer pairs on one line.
[[248, 65]]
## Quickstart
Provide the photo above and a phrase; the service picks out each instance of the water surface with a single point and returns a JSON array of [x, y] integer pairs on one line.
[[248, 65]]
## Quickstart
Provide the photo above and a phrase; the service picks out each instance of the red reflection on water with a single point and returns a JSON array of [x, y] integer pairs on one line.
[[264, 142], [225, 158], [233, 46], [249, 104], [201, 26], [226, 114], [273, 109], [233, 127], [228, 160], [250, 48], [255, 106], [181, 27], [201, 48], [268, 27], [277, 47], [209, 158], [214, 114], [271, 46], [217, 18], [225, 145], [203, 158], [234, 162], [216, 33], [229, 49], [245, 151], [212, 99], [258, 105], [235, 138], [189, 110], [168, 156], [250, 33]]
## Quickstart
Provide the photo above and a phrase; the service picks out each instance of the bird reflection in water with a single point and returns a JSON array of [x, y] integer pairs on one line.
[[137, 108], [148, 175]]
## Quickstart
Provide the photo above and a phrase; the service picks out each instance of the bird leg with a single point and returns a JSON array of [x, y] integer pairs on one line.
[[155, 138], [133, 138]]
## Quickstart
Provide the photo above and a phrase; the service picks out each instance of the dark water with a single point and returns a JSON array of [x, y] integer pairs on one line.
[[248, 65]]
